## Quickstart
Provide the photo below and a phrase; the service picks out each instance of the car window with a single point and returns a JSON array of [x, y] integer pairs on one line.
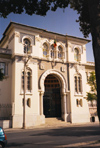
[[1, 131]]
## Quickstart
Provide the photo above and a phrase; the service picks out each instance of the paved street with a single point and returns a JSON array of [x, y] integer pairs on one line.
[[77, 135]]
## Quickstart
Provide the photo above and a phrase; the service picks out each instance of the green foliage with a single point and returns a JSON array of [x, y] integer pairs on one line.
[[41, 7], [92, 82], [1, 75]]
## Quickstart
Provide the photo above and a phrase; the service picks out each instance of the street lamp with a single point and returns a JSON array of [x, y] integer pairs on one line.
[[26, 60]]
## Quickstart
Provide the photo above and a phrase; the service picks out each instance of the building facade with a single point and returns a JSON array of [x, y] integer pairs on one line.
[[45, 76]]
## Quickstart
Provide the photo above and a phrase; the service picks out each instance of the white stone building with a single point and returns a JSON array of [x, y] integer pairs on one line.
[[56, 76]]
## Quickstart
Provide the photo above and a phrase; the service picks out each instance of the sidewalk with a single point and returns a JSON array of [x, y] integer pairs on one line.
[[55, 123]]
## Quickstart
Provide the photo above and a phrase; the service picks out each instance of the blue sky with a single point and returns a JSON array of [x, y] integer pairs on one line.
[[59, 22]]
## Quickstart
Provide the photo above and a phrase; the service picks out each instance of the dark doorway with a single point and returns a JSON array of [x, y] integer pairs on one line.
[[52, 97]]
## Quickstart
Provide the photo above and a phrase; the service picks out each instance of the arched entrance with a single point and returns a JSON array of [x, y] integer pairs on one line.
[[63, 91], [52, 97]]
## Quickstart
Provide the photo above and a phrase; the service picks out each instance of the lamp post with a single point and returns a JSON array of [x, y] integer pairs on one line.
[[26, 59]]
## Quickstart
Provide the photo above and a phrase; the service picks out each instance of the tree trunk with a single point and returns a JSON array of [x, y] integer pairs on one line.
[[94, 11]]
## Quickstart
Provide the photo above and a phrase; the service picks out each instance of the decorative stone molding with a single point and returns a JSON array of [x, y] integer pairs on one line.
[[17, 34], [58, 74], [62, 44], [69, 45], [53, 64], [41, 66], [28, 36], [79, 47], [62, 69], [77, 67], [38, 39], [84, 47], [71, 65]]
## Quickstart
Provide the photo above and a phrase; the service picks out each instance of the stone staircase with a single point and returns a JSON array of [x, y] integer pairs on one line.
[[54, 122]]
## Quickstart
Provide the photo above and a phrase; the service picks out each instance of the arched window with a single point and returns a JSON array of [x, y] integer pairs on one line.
[[28, 81], [22, 80], [78, 84], [52, 51], [45, 50], [60, 52], [76, 54], [75, 84], [27, 47], [29, 102]]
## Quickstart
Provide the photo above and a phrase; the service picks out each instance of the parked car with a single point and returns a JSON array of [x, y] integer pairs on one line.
[[3, 138]]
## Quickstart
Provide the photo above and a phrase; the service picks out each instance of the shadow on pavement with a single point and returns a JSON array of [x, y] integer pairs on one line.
[[13, 145], [72, 131]]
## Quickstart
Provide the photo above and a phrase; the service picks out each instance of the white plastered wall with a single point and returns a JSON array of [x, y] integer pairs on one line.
[[79, 113]]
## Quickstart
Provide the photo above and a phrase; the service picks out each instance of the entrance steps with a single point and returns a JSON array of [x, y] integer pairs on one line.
[[54, 122]]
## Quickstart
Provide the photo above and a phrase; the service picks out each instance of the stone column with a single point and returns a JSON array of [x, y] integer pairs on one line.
[[64, 107], [56, 53], [41, 103]]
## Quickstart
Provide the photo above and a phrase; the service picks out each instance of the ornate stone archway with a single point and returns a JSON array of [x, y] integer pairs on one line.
[[63, 91]]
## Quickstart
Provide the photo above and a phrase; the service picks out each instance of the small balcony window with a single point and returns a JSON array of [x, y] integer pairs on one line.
[[52, 51], [27, 47], [77, 56], [78, 84], [45, 50], [28, 81], [60, 52]]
